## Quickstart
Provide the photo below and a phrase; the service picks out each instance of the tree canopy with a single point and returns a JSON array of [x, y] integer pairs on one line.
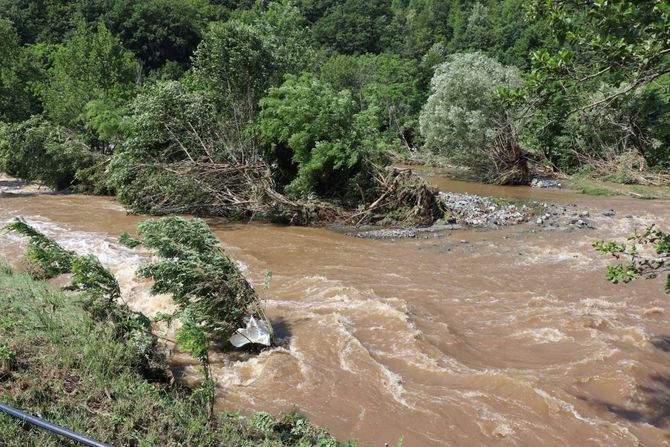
[[322, 93]]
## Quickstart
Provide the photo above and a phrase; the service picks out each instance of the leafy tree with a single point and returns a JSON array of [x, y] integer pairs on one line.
[[284, 32], [234, 61], [92, 65], [17, 71], [45, 21], [9, 50], [177, 158], [619, 47], [158, 31], [384, 83], [621, 135], [420, 24], [513, 37], [620, 40], [210, 292], [353, 27], [318, 129], [36, 149], [477, 34], [466, 120], [167, 124]]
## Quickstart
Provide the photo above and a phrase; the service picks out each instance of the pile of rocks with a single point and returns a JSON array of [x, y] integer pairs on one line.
[[470, 209], [400, 233], [545, 182], [558, 216]]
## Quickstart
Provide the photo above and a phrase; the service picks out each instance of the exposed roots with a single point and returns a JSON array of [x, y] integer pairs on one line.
[[508, 162], [403, 197]]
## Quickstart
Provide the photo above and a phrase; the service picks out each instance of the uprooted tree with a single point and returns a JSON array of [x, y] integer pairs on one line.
[[206, 285]]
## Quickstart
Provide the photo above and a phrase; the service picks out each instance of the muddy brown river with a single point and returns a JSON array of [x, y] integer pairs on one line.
[[506, 337]]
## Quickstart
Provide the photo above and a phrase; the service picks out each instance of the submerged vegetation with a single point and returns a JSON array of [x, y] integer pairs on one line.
[[85, 356], [70, 367], [290, 110]]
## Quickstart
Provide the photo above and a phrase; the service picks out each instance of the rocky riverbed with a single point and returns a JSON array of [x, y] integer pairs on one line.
[[474, 211]]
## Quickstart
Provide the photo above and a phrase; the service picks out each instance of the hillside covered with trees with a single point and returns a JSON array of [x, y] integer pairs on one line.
[[240, 108]]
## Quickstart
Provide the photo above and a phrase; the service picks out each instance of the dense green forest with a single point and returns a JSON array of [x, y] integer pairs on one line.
[[236, 108]]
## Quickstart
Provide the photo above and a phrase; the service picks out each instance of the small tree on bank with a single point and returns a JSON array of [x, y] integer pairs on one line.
[[466, 119]]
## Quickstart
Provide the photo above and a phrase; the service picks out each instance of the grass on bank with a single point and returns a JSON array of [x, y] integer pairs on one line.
[[596, 187], [59, 363]]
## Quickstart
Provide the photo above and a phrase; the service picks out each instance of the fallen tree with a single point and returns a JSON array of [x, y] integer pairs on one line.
[[401, 196]]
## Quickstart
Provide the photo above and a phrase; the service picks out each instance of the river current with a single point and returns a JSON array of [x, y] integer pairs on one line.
[[508, 337]]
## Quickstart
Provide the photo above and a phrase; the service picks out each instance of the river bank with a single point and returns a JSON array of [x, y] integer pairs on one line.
[[58, 362]]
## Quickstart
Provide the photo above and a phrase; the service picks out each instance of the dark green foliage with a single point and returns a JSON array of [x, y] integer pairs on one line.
[[236, 62], [39, 20], [91, 65], [604, 54], [418, 24], [158, 31], [129, 241], [37, 149], [284, 33], [646, 254], [328, 141], [17, 70], [384, 83], [354, 27], [207, 286]]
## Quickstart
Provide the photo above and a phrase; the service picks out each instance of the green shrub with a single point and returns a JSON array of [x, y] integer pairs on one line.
[[208, 288], [317, 137], [38, 150]]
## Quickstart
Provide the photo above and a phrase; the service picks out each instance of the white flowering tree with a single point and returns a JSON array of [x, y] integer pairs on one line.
[[466, 120]]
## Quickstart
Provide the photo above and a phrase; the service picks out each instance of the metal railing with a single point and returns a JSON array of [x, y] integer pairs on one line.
[[41, 423]]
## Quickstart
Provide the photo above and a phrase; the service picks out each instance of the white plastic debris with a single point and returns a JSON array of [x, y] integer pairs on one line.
[[256, 332]]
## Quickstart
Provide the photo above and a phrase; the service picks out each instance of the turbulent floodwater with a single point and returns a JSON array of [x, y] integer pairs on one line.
[[513, 338]]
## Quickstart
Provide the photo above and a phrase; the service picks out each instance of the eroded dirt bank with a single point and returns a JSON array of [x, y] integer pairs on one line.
[[455, 337]]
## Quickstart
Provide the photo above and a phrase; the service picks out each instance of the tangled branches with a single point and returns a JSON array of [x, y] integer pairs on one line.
[[402, 196]]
